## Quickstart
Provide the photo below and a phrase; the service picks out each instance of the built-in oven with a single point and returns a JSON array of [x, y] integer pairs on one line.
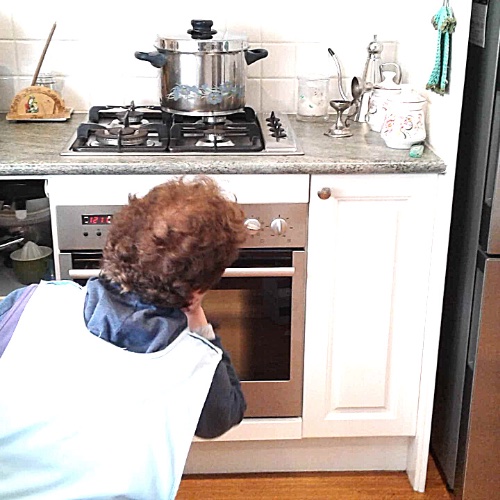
[[257, 307]]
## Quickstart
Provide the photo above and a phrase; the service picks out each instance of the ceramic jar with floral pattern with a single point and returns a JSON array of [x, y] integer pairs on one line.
[[404, 122], [377, 104]]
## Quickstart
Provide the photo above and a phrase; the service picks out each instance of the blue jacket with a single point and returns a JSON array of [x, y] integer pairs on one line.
[[125, 321]]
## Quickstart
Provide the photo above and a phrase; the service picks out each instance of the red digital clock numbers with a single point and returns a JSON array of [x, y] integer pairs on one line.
[[96, 219]]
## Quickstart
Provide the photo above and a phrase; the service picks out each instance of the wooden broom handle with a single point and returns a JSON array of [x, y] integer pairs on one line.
[[40, 62]]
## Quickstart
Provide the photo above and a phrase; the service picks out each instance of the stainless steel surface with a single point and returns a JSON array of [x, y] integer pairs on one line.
[[339, 74], [289, 145], [371, 72], [233, 272], [200, 84], [73, 235], [283, 398], [356, 88], [219, 43], [339, 127], [356, 92], [465, 437], [11, 242], [203, 74], [482, 470], [489, 236]]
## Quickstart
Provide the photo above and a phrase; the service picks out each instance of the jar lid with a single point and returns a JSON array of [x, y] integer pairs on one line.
[[202, 38]]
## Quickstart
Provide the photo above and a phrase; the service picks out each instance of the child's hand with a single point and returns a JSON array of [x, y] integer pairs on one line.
[[195, 313]]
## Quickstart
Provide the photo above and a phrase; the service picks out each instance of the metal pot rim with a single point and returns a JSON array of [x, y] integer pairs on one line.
[[217, 44]]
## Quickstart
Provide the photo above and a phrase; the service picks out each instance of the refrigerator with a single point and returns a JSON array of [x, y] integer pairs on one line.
[[465, 436]]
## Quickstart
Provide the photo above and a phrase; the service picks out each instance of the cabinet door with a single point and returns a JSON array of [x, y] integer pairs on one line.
[[368, 264]]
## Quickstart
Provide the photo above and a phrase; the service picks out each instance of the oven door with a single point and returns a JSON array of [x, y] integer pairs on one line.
[[257, 309]]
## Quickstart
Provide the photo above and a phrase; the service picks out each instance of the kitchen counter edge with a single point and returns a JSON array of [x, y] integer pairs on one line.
[[33, 149]]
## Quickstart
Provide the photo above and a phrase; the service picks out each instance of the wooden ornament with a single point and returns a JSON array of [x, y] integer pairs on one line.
[[38, 103]]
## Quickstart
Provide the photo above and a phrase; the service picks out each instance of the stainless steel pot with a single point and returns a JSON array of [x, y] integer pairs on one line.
[[203, 74]]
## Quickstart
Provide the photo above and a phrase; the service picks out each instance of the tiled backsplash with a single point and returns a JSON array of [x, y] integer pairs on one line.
[[92, 50]]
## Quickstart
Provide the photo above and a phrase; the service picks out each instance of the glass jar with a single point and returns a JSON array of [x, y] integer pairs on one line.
[[46, 80], [312, 104]]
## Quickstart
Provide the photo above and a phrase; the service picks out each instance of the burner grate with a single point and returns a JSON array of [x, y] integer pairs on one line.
[[149, 130], [239, 132]]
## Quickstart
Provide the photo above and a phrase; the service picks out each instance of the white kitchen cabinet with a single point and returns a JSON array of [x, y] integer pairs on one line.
[[369, 256]]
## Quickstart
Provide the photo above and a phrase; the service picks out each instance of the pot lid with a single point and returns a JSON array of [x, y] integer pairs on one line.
[[202, 38]]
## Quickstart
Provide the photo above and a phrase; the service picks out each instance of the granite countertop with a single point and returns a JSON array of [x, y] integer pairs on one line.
[[33, 149]]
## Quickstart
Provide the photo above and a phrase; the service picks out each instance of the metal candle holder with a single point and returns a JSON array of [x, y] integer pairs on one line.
[[339, 128]]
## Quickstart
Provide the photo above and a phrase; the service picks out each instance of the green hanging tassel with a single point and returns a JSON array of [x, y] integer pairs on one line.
[[444, 22]]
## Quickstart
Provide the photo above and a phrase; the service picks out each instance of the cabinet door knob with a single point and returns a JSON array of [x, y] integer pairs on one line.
[[324, 193]]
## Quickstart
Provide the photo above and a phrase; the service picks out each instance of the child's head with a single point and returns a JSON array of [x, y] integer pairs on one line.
[[178, 238]]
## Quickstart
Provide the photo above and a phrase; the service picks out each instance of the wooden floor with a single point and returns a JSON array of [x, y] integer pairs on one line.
[[318, 486]]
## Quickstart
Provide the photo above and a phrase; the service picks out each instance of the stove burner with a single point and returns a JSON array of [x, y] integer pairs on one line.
[[133, 117], [214, 141], [122, 136], [214, 120], [130, 116], [150, 130]]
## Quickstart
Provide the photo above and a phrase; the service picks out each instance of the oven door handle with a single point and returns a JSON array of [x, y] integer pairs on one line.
[[83, 274], [258, 272], [231, 272]]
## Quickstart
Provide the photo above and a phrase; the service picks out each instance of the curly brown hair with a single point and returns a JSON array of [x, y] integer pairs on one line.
[[177, 239]]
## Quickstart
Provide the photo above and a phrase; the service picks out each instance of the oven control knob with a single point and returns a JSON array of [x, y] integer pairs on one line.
[[279, 226], [252, 225]]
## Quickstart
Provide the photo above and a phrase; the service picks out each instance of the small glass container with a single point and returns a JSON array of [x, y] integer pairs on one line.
[[46, 80], [312, 104]]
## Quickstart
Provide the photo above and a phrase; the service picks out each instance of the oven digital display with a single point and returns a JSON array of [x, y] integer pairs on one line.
[[96, 219]]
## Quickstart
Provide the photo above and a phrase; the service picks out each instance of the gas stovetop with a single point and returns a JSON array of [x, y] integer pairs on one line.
[[149, 131]]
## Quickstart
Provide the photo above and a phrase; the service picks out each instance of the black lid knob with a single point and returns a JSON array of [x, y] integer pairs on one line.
[[202, 29]]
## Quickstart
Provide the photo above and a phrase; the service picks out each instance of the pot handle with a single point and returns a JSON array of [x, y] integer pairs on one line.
[[254, 55], [157, 59]]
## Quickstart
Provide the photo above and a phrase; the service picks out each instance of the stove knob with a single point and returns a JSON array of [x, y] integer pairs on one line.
[[279, 226], [252, 225]]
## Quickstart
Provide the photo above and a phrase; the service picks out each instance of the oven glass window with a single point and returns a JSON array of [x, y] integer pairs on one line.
[[252, 315]]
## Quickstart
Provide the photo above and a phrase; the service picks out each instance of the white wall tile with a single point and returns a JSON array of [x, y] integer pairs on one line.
[[31, 20], [255, 69], [21, 83], [62, 57], [279, 94], [143, 91], [113, 92], [77, 93], [6, 25], [292, 24], [254, 94], [7, 92], [314, 59], [28, 54], [93, 55], [280, 63], [248, 24], [8, 65]]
